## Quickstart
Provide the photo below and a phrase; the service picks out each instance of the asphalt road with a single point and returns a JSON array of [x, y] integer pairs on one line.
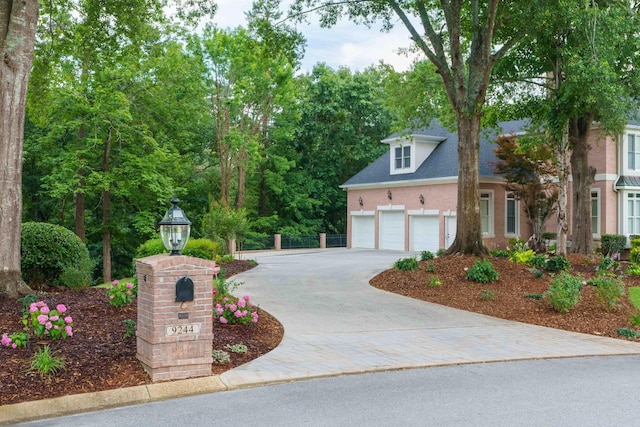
[[596, 391]]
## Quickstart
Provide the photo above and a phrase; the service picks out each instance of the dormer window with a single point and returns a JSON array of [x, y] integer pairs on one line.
[[403, 157]]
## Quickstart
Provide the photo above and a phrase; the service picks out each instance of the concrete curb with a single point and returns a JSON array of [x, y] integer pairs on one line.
[[67, 405]]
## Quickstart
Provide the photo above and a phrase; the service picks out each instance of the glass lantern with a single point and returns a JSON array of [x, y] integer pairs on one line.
[[175, 229]]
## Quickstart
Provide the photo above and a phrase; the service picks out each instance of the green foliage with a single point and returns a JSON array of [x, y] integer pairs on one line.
[[537, 273], [607, 265], [634, 296], [609, 290], [564, 293], [151, 247], [236, 348], [522, 257], [130, 326], [52, 254], [121, 293], [406, 264], [15, 339], [46, 322], [197, 248], [633, 270], [482, 272], [499, 253], [440, 252], [224, 288], [46, 363], [224, 223], [487, 295], [613, 243], [635, 319], [634, 239], [634, 253], [430, 268], [557, 263], [534, 296], [628, 333], [434, 282], [220, 356], [539, 261], [427, 256]]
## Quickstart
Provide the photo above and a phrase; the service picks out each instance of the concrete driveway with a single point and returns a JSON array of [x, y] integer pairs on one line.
[[335, 323]]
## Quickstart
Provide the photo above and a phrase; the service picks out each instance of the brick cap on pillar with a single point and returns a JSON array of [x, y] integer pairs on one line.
[[165, 261]]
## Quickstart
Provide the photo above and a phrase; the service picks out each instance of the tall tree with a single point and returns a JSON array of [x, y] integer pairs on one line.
[[463, 40], [18, 22]]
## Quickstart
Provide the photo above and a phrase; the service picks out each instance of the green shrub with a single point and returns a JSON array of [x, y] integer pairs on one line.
[[499, 253], [634, 239], [197, 248], [220, 356], [609, 290], [607, 265], [564, 292], [482, 272], [434, 282], [440, 252], [426, 256], [45, 362], [537, 273], [406, 264], [633, 270], [534, 296], [557, 263], [634, 254], [628, 333], [522, 257], [487, 295], [53, 255], [539, 261], [613, 243], [430, 268]]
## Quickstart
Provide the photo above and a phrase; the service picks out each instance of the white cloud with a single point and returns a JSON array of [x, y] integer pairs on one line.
[[346, 44]]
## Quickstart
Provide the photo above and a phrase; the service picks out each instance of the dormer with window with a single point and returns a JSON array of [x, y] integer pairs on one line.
[[410, 151]]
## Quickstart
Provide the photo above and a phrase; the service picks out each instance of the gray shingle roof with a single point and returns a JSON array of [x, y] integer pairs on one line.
[[443, 161]]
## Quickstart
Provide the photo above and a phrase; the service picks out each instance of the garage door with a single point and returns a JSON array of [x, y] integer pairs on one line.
[[392, 230], [363, 232], [425, 233]]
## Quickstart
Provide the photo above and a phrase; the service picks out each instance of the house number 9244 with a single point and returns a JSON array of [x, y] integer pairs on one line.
[[190, 328]]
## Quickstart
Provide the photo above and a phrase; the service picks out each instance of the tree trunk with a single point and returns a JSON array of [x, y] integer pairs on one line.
[[18, 22], [469, 225], [583, 176], [562, 154], [79, 216], [106, 214]]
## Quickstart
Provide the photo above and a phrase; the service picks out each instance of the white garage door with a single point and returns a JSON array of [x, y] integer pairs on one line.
[[392, 230], [363, 232], [425, 233]]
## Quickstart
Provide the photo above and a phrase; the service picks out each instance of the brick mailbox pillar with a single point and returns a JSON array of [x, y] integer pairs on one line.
[[174, 339]]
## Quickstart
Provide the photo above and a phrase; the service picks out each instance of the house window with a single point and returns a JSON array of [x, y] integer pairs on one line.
[[403, 157], [511, 215], [633, 213], [595, 212], [633, 152], [486, 212]]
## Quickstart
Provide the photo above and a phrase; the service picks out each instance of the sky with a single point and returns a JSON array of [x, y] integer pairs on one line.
[[346, 44]]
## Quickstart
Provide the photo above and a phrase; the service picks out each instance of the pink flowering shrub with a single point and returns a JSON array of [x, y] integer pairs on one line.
[[121, 294], [46, 322], [230, 310], [14, 340]]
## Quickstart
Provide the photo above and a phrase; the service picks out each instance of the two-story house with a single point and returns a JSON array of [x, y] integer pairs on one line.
[[406, 199]]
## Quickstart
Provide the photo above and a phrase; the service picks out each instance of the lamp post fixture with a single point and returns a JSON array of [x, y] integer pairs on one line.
[[175, 228]]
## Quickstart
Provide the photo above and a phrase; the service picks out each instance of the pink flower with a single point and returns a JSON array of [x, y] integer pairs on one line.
[[68, 319], [241, 303], [219, 311], [14, 345], [223, 320], [44, 310], [110, 296], [254, 317], [128, 293], [61, 308], [33, 307], [40, 304], [69, 330], [56, 327], [5, 340], [42, 319], [48, 325], [129, 285], [233, 307], [225, 299], [54, 318], [115, 283], [238, 313]]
